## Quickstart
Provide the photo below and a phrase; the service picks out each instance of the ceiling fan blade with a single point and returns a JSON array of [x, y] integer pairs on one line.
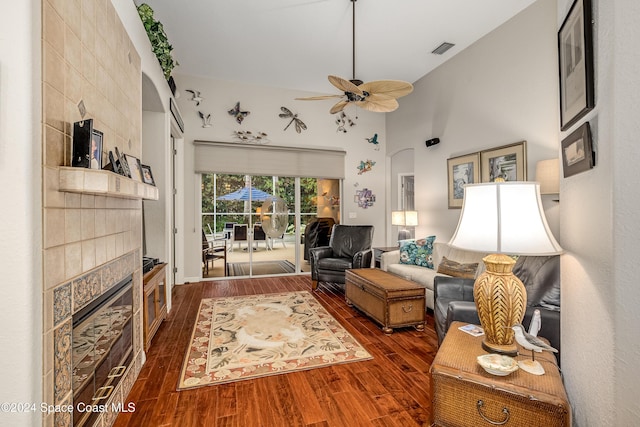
[[338, 107], [378, 105], [345, 85], [391, 88], [314, 98]]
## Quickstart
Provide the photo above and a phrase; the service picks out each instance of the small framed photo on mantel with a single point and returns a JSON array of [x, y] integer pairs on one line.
[[147, 176]]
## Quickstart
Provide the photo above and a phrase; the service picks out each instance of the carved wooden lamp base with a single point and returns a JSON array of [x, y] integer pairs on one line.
[[501, 299]]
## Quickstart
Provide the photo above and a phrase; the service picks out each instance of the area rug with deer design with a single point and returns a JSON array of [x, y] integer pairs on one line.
[[251, 336]]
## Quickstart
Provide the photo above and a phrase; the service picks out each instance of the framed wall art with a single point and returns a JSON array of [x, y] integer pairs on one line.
[[461, 171], [508, 162], [577, 151], [575, 58]]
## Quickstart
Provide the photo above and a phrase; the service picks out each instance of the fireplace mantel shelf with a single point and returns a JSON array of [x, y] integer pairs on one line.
[[105, 183]]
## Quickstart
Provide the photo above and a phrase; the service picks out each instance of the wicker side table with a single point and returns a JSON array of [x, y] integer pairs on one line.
[[465, 395]]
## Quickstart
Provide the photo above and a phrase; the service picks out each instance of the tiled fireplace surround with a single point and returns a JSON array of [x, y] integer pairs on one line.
[[90, 242]]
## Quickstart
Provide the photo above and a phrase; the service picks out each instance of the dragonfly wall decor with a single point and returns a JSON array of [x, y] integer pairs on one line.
[[286, 114]]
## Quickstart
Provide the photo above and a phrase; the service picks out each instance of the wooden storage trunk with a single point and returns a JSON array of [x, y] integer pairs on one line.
[[388, 299], [465, 395]]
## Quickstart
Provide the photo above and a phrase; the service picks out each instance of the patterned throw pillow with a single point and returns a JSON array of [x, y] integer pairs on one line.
[[418, 252], [455, 269]]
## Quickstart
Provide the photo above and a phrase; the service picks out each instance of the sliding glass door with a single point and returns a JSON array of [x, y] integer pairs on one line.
[[260, 221]]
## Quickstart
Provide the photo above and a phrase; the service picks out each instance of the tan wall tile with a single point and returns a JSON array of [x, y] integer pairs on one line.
[[101, 250], [53, 146], [73, 16], [54, 220], [72, 260], [53, 104], [54, 266], [53, 28], [73, 225], [88, 224], [88, 255], [53, 72], [72, 49], [52, 197], [100, 222]]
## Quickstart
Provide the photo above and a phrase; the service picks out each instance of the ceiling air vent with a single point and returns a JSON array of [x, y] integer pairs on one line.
[[442, 48]]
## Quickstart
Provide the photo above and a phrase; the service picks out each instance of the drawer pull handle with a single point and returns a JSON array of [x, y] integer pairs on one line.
[[103, 393], [407, 310], [505, 411], [117, 371]]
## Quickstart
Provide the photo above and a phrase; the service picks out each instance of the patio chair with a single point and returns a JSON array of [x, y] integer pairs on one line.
[[240, 234], [210, 253]]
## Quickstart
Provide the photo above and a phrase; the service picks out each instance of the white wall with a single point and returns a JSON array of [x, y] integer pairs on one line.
[[20, 210], [264, 106], [600, 294], [501, 90]]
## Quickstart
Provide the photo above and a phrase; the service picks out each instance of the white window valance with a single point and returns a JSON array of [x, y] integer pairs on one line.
[[251, 159]]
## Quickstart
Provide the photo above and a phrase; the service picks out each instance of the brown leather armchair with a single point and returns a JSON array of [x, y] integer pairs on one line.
[[540, 275], [349, 247]]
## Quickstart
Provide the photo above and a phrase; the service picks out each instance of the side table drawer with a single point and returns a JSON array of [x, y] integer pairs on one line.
[[462, 403]]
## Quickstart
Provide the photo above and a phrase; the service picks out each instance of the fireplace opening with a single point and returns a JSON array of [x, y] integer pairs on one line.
[[102, 350]]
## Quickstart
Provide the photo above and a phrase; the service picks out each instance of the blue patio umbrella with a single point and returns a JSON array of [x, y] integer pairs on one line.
[[243, 194]]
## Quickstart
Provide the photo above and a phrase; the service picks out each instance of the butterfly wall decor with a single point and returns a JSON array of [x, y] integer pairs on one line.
[[239, 115], [365, 166], [286, 114]]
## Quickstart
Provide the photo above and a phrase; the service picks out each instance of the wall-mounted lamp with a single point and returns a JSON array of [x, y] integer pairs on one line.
[[548, 175], [404, 219]]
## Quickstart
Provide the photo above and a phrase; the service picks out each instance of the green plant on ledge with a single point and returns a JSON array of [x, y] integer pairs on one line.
[[159, 41]]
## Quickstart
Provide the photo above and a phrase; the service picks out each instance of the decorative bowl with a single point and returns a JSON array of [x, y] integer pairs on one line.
[[498, 364]]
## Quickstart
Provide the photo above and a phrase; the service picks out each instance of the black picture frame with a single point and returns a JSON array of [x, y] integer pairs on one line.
[[147, 176], [124, 167], [577, 151], [575, 59], [82, 136]]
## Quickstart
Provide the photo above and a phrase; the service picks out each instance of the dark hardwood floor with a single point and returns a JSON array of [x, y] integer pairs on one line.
[[391, 390]]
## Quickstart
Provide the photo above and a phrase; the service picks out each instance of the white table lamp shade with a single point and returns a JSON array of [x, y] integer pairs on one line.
[[405, 218], [548, 175], [505, 217]]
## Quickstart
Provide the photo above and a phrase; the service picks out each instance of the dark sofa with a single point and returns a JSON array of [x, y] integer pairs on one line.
[[541, 278]]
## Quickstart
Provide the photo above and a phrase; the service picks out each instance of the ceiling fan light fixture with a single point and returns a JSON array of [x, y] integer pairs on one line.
[[442, 48], [378, 96]]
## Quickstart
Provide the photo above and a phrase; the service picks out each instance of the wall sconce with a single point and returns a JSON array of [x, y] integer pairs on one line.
[[404, 219], [548, 175]]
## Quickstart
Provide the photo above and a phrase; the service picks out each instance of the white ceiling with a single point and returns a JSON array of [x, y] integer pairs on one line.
[[295, 44]]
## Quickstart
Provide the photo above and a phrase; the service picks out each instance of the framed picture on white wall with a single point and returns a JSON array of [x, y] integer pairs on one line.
[[461, 170], [575, 50]]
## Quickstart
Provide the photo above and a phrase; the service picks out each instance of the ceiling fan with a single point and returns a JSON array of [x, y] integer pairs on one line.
[[378, 96]]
